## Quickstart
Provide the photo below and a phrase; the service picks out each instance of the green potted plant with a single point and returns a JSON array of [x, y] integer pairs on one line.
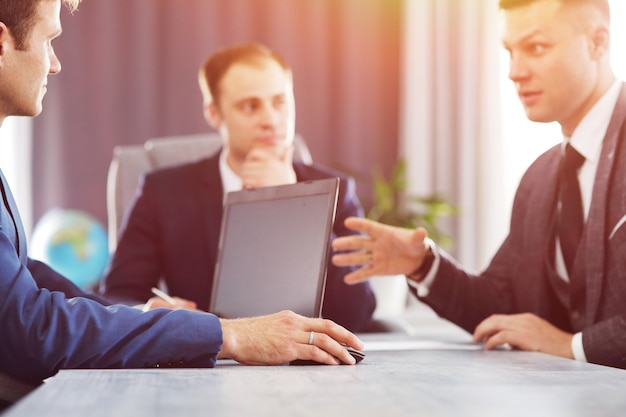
[[393, 206]]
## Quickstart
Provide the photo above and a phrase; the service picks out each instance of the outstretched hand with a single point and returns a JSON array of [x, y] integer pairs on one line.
[[283, 337], [526, 332], [384, 250]]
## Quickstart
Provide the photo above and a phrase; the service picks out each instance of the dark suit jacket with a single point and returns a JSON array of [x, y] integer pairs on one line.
[[171, 231], [521, 276], [43, 330]]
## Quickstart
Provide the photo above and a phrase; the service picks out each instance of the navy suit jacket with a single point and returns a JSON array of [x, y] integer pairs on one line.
[[522, 278], [171, 231], [47, 325]]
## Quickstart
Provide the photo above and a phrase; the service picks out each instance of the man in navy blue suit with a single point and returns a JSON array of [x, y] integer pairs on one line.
[[172, 229], [44, 330], [534, 296]]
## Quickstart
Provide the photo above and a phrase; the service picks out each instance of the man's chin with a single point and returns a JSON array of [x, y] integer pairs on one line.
[[278, 146], [537, 117], [34, 110], [27, 112]]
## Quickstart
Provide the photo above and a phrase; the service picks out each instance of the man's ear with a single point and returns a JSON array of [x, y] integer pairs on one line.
[[600, 41], [4, 38], [212, 115]]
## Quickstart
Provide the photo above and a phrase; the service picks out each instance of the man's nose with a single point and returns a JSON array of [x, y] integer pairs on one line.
[[518, 70], [270, 116], [55, 64]]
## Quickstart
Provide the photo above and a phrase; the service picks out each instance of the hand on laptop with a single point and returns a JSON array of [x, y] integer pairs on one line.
[[267, 165], [283, 337]]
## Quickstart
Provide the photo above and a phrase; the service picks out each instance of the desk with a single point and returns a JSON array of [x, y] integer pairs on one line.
[[387, 383]]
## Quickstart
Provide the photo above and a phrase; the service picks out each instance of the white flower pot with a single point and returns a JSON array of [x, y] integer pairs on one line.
[[391, 295]]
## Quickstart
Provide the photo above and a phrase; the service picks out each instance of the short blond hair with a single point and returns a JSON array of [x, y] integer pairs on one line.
[[602, 5], [72, 4]]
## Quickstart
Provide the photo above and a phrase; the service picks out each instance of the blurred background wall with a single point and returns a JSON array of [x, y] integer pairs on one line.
[[129, 74], [374, 80]]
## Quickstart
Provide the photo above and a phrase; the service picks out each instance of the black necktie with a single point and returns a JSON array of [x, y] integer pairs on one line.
[[570, 216]]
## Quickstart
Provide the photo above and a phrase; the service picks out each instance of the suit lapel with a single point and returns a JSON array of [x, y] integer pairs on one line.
[[595, 235], [13, 227]]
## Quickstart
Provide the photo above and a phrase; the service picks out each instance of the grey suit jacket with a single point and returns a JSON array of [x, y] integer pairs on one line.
[[521, 276]]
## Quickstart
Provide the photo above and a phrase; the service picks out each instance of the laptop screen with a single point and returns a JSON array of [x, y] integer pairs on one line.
[[273, 250]]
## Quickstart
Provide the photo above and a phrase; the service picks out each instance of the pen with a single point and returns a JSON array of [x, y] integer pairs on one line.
[[162, 295]]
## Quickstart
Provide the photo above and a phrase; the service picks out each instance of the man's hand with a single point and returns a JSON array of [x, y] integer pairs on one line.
[[386, 250], [181, 303], [266, 166], [526, 332], [284, 337]]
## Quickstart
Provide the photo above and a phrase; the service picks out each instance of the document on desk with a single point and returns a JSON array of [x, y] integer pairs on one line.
[[389, 345]]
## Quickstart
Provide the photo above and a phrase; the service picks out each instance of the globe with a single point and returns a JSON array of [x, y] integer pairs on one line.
[[73, 243]]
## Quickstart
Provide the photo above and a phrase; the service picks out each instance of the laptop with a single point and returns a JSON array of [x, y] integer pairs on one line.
[[273, 249]]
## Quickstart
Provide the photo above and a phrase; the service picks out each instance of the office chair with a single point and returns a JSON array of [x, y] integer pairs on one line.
[[130, 162]]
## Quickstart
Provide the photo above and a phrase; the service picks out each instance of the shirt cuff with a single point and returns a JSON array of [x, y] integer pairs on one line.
[[423, 287], [577, 347]]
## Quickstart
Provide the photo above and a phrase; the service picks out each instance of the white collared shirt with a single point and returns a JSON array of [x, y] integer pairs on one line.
[[230, 181], [587, 140]]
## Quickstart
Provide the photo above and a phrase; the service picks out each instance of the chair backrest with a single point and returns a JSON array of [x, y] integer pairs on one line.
[[169, 151], [130, 162]]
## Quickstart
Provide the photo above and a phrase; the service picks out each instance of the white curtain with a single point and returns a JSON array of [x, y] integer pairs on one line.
[[15, 161], [450, 121]]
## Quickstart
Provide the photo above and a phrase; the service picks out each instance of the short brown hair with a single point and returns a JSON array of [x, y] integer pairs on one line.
[[18, 16], [212, 71]]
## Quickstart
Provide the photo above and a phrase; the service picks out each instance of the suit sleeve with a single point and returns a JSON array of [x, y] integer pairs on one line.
[[43, 331], [466, 299], [135, 267], [351, 306], [513, 282], [48, 278], [605, 342]]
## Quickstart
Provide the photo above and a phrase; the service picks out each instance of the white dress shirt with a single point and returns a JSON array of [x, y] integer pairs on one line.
[[230, 180]]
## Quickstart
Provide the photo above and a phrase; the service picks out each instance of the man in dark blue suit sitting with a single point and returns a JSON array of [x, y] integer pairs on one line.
[[44, 330], [172, 229]]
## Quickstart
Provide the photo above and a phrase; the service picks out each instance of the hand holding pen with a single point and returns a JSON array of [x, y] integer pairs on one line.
[[163, 300]]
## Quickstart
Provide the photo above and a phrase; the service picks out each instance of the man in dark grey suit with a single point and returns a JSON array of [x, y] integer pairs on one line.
[[544, 290]]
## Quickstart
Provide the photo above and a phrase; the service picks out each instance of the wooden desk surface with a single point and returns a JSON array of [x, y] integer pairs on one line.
[[411, 383]]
